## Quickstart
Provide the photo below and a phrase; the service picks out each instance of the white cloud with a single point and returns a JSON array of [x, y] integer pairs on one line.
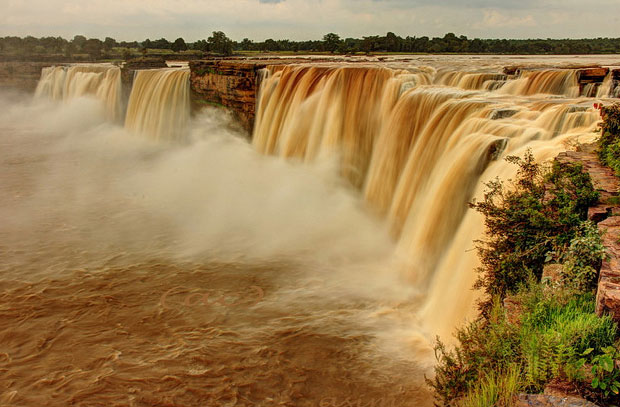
[[309, 19], [493, 19]]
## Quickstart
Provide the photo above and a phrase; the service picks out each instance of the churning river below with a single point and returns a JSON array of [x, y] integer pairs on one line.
[[153, 258], [135, 274]]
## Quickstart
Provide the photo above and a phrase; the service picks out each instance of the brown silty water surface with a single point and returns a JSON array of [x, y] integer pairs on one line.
[[109, 298], [165, 261]]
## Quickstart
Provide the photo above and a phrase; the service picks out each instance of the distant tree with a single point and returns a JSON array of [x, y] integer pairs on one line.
[[220, 43], [179, 45], [392, 42], [370, 44], [78, 42], [270, 45], [93, 48], [109, 43], [331, 42], [162, 43], [69, 50], [201, 45], [146, 44], [247, 44]]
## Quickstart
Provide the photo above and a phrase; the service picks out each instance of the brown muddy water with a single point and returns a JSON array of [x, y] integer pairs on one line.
[[136, 274]]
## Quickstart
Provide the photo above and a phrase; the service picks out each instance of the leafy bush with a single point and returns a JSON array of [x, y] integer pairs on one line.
[[609, 142], [536, 215], [483, 346], [606, 375], [556, 334], [555, 331], [583, 258]]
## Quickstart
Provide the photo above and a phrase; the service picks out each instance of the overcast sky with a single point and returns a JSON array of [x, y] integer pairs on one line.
[[310, 19]]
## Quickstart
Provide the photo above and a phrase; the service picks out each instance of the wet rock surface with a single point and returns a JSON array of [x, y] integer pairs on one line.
[[544, 400], [607, 215]]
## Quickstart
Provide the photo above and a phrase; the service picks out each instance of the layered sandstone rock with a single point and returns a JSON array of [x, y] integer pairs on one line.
[[608, 293], [607, 214], [229, 83], [22, 76], [544, 400]]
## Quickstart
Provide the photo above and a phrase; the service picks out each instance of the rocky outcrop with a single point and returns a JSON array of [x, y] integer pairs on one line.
[[229, 83], [544, 400], [607, 215], [608, 293], [22, 76], [233, 83]]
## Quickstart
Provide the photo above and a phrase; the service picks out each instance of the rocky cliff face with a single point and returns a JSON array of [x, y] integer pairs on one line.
[[229, 83], [607, 215], [22, 76]]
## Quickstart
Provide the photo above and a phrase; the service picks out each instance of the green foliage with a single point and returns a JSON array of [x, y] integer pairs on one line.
[[483, 347], [496, 390], [606, 374], [390, 42], [555, 332], [583, 258], [220, 43], [331, 42], [179, 45], [544, 332], [537, 214], [609, 142]]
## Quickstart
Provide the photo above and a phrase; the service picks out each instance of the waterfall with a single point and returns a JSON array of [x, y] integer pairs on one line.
[[306, 111], [549, 81], [470, 80], [159, 105], [101, 81], [418, 148], [605, 89], [416, 143]]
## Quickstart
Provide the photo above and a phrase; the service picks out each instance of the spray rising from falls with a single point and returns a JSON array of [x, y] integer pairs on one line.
[[159, 104], [416, 143], [101, 81], [418, 152]]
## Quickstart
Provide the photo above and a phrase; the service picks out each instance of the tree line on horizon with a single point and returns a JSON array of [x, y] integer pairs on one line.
[[218, 43]]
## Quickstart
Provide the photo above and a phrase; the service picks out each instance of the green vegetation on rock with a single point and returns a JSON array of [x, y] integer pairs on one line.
[[537, 215], [533, 331], [609, 143]]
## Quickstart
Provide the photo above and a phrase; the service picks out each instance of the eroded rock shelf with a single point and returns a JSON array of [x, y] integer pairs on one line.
[[607, 215]]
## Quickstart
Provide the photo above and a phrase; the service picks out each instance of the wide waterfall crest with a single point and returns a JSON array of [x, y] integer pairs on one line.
[[418, 143], [419, 149], [102, 81]]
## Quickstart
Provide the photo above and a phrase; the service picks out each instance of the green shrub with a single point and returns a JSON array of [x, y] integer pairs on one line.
[[556, 328], [553, 332], [606, 375], [497, 390], [538, 213], [483, 346], [549, 342], [609, 142], [583, 258]]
